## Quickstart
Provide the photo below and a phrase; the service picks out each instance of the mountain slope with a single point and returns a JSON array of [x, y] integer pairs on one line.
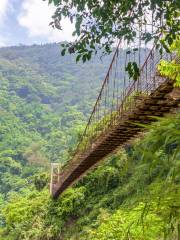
[[59, 80], [45, 100], [44, 103]]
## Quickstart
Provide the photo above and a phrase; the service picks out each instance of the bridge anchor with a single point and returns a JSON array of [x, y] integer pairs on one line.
[[55, 176]]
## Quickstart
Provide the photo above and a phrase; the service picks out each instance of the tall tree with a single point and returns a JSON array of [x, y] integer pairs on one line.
[[98, 23]]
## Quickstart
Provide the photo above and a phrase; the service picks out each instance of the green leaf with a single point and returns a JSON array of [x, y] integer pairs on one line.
[[84, 57], [63, 52], [78, 58]]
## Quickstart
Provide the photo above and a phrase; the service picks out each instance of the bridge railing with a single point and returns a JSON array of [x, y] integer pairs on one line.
[[119, 93]]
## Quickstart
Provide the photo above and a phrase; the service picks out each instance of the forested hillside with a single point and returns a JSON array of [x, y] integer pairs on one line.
[[44, 103], [45, 100], [41, 74]]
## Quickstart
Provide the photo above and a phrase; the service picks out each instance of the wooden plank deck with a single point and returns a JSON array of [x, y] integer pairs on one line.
[[160, 102]]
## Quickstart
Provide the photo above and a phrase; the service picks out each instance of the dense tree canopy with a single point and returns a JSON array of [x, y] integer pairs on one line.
[[133, 195], [44, 105], [99, 23]]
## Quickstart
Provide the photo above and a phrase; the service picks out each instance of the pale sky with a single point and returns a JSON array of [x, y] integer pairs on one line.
[[27, 22]]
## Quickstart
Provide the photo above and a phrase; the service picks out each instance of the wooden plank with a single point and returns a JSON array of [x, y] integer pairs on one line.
[[156, 104]]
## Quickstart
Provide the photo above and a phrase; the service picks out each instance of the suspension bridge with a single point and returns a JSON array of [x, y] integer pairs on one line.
[[122, 105]]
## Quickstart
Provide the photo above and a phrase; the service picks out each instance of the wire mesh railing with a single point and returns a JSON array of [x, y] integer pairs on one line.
[[119, 92]]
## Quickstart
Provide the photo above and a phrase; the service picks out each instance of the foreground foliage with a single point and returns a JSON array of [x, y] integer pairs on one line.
[[99, 23], [172, 69], [132, 195]]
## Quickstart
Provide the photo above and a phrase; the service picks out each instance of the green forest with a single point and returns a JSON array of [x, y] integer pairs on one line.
[[131, 195], [47, 93]]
